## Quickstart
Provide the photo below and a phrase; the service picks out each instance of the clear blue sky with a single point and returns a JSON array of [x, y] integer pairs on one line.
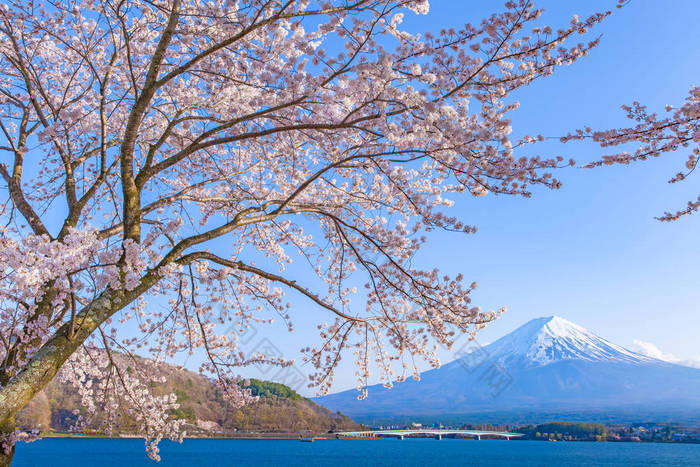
[[590, 252]]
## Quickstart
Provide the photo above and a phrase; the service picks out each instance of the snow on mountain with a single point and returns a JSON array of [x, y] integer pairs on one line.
[[546, 340], [546, 369]]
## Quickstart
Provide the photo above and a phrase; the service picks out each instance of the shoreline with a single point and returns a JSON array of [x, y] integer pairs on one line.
[[330, 436]]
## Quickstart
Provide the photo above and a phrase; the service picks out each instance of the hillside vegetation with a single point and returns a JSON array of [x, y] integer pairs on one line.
[[279, 409]]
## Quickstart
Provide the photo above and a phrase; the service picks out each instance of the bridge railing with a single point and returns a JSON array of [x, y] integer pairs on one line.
[[438, 434]]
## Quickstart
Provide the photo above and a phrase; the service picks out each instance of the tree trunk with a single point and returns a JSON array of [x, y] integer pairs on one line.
[[52, 355], [7, 429], [47, 361]]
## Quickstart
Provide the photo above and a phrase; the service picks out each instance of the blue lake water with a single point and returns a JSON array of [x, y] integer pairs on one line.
[[409, 452]]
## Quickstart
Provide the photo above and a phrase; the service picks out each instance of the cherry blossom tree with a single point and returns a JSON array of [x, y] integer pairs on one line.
[[165, 160], [655, 135]]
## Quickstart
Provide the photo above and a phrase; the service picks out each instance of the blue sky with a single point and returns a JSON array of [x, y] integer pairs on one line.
[[590, 252]]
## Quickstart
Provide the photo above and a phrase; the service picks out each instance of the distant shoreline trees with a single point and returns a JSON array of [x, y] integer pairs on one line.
[[566, 431]]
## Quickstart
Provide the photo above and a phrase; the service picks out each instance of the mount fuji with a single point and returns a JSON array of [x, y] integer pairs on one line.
[[549, 368]]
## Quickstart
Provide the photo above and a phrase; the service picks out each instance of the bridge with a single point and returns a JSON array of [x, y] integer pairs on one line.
[[436, 433]]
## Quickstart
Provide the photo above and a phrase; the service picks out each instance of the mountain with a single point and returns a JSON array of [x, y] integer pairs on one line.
[[547, 369], [279, 408]]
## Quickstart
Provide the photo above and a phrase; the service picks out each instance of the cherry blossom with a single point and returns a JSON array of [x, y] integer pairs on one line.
[[656, 135], [165, 161]]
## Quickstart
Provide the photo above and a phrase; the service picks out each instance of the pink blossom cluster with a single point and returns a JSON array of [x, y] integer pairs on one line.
[[118, 386]]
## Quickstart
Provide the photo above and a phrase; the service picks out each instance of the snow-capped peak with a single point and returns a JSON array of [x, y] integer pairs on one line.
[[545, 340]]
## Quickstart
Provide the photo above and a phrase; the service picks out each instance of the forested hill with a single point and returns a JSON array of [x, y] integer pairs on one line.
[[279, 408]]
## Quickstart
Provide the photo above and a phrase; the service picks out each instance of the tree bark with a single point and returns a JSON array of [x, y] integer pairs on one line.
[[53, 354], [48, 360]]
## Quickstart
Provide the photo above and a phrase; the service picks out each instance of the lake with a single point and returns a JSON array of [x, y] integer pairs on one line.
[[57, 452]]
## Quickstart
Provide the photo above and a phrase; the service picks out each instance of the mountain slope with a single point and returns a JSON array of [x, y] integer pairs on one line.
[[279, 408], [547, 368], [552, 339]]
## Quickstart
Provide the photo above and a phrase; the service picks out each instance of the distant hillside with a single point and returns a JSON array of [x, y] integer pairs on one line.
[[279, 409]]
